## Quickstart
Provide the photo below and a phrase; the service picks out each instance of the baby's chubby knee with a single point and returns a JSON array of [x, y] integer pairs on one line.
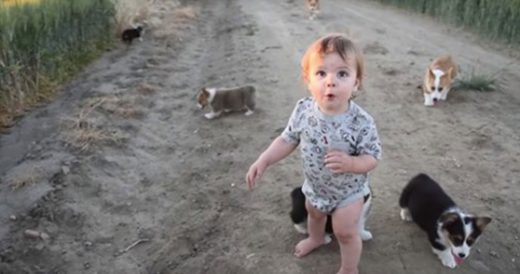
[[346, 235]]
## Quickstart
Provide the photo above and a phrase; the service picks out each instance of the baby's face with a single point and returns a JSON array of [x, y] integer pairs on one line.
[[332, 81]]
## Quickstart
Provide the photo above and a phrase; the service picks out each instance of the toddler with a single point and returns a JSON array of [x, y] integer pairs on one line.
[[338, 142]]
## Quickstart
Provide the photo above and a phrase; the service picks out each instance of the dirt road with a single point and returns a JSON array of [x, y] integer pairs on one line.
[[125, 175]]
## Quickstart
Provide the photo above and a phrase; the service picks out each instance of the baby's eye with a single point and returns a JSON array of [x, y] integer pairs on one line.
[[343, 73], [320, 73]]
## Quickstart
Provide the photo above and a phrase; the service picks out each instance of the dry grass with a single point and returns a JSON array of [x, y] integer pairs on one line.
[[146, 89], [22, 181], [130, 13], [477, 82], [168, 17], [83, 133], [164, 17], [125, 107]]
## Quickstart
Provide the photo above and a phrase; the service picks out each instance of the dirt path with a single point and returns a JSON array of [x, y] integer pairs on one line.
[[163, 191]]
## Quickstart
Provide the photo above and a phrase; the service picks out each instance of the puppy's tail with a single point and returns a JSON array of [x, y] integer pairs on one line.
[[403, 200], [298, 211]]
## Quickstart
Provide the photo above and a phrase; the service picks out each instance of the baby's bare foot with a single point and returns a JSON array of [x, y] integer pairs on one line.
[[305, 246]]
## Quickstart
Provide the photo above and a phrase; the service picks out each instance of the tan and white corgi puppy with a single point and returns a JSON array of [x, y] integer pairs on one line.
[[314, 8], [226, 100], [438, 79]]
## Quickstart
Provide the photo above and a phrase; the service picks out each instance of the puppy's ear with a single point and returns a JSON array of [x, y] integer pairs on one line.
[[450, 72], [430, 73], [448, 218], [482, 222]]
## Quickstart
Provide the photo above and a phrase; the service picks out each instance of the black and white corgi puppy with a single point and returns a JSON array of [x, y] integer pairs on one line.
[[451, 231], [226, 100], [130, 34], [299, 215]]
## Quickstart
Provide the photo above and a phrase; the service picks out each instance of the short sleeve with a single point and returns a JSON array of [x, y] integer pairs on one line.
[[291, 133], [368, 142]]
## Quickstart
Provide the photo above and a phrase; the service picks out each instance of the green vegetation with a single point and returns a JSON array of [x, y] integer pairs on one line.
[[42, 45], [496, 19], [478, 82]]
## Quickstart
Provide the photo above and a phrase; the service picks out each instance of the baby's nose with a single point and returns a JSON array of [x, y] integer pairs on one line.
[[331, 84]]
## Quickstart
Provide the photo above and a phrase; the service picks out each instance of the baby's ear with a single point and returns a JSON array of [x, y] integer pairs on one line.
[[305, 78], [357, 86]]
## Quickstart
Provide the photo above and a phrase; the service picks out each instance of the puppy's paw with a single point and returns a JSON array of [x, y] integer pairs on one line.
[[446, 257], [448, 261], [301, 228], [405, 215], [327, 239], [210, 115], [365, 235]]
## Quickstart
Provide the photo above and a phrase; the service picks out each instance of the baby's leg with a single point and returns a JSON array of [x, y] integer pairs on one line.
[[346, 229], [316, 227]]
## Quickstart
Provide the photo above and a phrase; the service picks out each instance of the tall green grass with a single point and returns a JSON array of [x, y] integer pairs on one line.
[[496, 19], [43, 44]]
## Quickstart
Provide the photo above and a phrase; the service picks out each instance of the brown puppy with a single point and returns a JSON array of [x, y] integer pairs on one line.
[[227, 99], [314, 8], [438, 79]]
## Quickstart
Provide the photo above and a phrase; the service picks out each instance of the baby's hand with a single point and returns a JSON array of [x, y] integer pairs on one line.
[[338, 161], [255, 173]]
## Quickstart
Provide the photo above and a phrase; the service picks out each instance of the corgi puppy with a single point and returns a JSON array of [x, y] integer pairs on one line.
[[226, 100], [130, 34], [314, 8], [438, 79], [451, 230], [299, 215]]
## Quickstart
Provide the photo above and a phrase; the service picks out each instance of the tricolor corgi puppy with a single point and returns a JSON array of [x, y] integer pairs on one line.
[[438, 79], [299, 215], [226, 100], [314, 8], [451, 231]]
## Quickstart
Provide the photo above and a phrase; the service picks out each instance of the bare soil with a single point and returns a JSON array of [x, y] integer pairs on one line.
[[124, 174]]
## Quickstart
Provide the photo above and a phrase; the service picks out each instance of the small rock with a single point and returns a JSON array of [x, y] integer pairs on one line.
[[493, 253], [31, 233], [12, 217], [44, 236], [36, 234], [65, 170]]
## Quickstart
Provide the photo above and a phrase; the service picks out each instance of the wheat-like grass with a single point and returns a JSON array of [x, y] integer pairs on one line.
[[12, 3], [478, 82]]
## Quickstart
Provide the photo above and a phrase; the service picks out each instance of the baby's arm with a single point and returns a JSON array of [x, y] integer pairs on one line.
[[278, 150], [340, 162]]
